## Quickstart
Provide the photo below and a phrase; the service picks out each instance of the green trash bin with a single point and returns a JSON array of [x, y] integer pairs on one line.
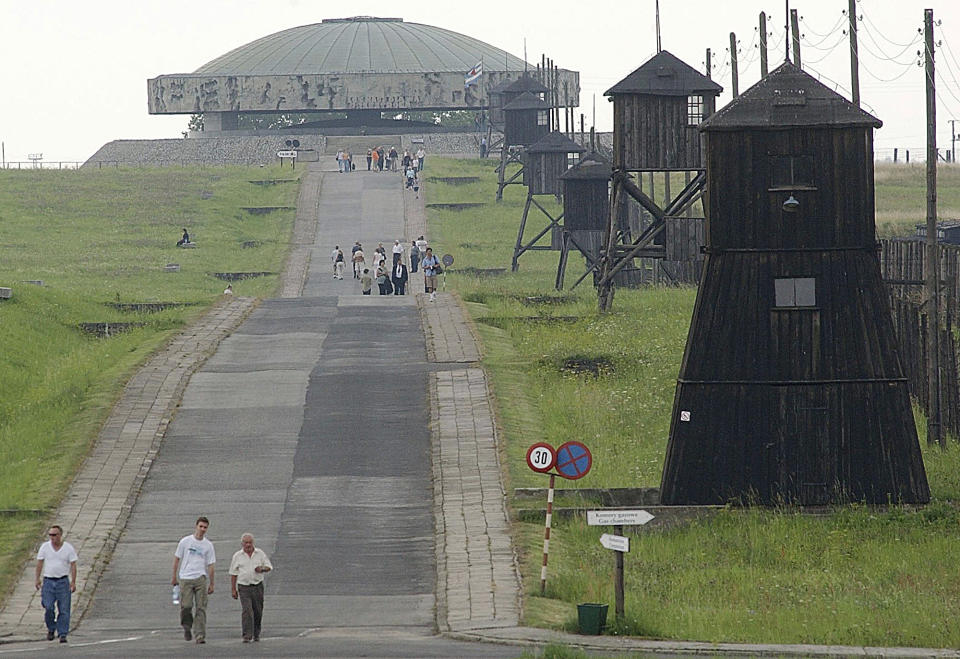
[[592, 618]]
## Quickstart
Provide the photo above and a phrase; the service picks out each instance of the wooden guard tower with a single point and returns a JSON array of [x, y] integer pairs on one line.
[[586, 209], [791, 388], [507, 91], [543, 164], [656, 111], [526, 119]]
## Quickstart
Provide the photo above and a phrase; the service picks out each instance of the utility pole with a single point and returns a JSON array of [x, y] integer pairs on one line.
[[659, 46], [854, 53], [934, 430], [763, 45], [733, 65], [796, 37], [709, 74], [953, 140], [786, 30]]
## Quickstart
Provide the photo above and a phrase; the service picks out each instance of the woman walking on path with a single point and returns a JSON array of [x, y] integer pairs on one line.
[[366, 282], [431, 268], [414, 256], [383, 279], [338, 265], [358, 263]]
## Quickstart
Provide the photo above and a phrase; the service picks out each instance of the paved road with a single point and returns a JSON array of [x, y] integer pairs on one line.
[[309, 427]]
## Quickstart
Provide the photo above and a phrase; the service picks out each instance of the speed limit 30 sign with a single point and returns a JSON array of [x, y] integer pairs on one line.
[[541, 457]]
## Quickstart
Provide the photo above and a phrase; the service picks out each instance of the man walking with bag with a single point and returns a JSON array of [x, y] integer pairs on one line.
[[193, 569]]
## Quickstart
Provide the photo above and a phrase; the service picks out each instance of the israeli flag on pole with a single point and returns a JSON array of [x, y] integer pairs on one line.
[[473, 75]]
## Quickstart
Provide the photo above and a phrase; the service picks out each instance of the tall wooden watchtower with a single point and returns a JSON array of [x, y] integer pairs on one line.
[[791, 387], [586, 209], [526, 119], [543, 164], [656, 111]]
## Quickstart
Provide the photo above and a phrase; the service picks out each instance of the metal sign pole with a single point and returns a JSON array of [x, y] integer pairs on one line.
[[546, 537], [618, 576]]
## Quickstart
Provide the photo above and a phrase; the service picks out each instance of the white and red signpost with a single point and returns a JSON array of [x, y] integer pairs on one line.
[[572, 461]]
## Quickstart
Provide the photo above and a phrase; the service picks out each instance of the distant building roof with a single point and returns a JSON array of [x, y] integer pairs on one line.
[[592, 167], [525, 83], [361, 44], [527, 101], [555, 142], [664, 74], [787, 97]]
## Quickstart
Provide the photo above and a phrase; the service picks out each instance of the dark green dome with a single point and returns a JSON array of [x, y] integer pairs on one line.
[[361, 44]]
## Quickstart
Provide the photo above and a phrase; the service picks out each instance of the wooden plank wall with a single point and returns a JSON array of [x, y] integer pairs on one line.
[[902, 261], [652, 133]]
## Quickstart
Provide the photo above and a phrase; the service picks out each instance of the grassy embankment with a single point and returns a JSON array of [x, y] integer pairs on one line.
[[93, 238], [857, 576]]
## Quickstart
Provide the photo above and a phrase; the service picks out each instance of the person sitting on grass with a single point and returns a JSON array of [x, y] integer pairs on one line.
[[184, 240]]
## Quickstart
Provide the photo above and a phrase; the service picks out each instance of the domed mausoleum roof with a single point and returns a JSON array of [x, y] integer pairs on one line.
[[358, 45], [360, 66]]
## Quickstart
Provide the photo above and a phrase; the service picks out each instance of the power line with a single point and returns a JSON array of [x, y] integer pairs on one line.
[[829, 33]]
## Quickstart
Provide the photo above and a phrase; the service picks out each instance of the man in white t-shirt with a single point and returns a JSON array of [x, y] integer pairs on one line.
[[397, 252], [57, 577], [193, 571]]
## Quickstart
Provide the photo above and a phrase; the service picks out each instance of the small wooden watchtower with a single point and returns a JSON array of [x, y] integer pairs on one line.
[[543, 164], [526, 119], [509, 90], [586, 209], [656, 111], [791, 387]]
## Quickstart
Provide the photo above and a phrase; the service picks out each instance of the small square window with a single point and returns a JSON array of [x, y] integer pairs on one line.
[[791, 172], [795, 292], [541, 117]]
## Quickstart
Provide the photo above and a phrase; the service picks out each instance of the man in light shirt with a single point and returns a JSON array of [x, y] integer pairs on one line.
[[247, 568], [57, 576], [193, 569]]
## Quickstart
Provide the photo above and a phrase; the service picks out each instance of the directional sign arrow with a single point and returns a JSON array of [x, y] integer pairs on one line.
[[615, 542], [617, 517]]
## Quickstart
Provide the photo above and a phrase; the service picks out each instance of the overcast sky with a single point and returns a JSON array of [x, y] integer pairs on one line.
[[73, 73]]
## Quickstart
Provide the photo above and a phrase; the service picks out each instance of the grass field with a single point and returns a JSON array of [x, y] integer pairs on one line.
[[98, 237], [857, 576]]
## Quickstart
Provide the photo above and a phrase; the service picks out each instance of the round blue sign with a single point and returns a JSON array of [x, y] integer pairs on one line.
[[573, 460]]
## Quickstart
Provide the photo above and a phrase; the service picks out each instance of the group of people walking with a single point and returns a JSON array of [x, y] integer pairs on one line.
[[390, 279], [193, 582], [380, 159]]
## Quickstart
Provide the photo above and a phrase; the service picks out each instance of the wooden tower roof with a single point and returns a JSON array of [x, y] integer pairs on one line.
[[592, 167], [789, 97], [556, 142], [665, 74], [525, 83], [527, 101]]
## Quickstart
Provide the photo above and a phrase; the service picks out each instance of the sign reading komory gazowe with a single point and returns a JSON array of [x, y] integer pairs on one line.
[[617, 517]]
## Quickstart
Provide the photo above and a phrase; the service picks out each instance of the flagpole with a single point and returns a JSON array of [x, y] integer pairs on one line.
[[483, 94]]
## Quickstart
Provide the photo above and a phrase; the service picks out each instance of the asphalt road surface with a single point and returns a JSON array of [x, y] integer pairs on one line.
[[309, 429]]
